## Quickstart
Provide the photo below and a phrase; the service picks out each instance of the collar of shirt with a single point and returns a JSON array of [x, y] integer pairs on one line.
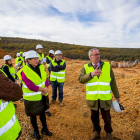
[[98, 64]]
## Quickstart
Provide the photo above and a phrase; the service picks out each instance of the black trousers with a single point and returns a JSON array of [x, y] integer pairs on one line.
[[45, 102], [34, 121], [106, 117]]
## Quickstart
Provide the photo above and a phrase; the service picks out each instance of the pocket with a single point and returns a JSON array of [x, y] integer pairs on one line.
[[91, 103], [109, 102]]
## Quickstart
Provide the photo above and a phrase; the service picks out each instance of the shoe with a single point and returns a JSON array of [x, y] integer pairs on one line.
[[47, 132], [61, 103], [37, 136], [48, 113], [96, 136], [109, 136], [15, 105], [21, 99], [52, 101]]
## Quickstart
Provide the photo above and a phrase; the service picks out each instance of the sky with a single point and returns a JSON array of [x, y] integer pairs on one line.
[[100, 23]]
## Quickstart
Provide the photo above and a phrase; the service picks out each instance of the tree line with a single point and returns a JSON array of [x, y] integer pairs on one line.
[[71, 51]]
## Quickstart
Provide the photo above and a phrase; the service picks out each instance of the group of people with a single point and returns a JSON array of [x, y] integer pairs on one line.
[[30, 70]]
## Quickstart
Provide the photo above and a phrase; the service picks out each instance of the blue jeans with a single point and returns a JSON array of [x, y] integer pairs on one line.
[[54, 85]]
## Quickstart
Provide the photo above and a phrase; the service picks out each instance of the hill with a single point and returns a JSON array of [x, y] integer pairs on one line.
[[14, 45]]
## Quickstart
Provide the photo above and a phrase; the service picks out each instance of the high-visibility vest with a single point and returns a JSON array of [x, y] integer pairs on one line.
[[22, 61], [11, 70], [3, 72], [34, 77], [16, 60], [50, 59], [57, 76], [9, 125], [99, 88], [40, 57]]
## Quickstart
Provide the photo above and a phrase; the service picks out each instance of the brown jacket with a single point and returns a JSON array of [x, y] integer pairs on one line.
[[9, 90], [84, 78]]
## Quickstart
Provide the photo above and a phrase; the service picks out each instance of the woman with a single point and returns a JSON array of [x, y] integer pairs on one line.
[[34, 80], [9, 125], [9, 70]]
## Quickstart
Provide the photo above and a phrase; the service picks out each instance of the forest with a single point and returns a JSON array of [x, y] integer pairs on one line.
[[71, 51]]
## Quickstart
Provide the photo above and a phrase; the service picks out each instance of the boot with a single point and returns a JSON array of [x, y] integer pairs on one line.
[[52, 101], [109, 136], [61, 103], [48, 113], [47, 132], [36, 135], [96, 136]]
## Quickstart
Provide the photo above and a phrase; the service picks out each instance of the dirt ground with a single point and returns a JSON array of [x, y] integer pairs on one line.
[[72, 121]]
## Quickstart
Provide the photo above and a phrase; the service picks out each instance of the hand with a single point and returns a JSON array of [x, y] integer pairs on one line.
[[16, 81], [44, 63], [96, 72], [45, 90], [41, 60], [118, 100], [3, 101]]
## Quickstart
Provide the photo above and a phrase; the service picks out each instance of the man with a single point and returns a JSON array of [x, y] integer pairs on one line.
[[57, 76], [39, 49], [9, 125], [49, 58], [99, 79]]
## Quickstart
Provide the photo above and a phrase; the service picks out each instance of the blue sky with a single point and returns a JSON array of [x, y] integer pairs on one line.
[[101, 23]]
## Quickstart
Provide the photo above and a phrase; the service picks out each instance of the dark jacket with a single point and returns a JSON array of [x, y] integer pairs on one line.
[[9, 90], [6, 70], [34, 108], [84, 78], [58, 67]]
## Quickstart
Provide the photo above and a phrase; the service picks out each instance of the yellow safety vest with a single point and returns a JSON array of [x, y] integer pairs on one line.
[[99, 88], [57, 76], [34, 77], [40, 57], [9, 125], [49, 59], [11, 70], [16, 60]]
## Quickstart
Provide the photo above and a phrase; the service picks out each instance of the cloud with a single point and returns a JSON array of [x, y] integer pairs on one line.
[[103, 23]]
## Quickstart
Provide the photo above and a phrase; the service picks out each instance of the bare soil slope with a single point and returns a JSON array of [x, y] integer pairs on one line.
[[72, 122]]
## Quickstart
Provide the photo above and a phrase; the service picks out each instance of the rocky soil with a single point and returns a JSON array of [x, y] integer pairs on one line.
[[72, 121]]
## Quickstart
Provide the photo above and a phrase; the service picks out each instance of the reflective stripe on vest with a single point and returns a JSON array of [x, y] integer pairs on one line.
[[57, 76], [99, 88], [9, 125], [34, 77], [11, 70]]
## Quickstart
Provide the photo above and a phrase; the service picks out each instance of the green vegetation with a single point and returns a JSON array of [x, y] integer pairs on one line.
[[14, 45]]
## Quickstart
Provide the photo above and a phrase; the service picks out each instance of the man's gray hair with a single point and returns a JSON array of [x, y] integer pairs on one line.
[[90, 51]]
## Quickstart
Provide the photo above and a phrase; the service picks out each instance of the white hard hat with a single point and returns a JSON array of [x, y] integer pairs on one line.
[[51, 51], [39, 46], [7, 57], [24, 54], [18, 54], [117, 107], [58, 52], [31, 54]]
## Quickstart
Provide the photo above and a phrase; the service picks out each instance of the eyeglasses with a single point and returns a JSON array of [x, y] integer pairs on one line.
[[96, 54]]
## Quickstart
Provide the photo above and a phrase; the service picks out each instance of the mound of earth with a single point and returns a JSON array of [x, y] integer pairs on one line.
[[3, 53]]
